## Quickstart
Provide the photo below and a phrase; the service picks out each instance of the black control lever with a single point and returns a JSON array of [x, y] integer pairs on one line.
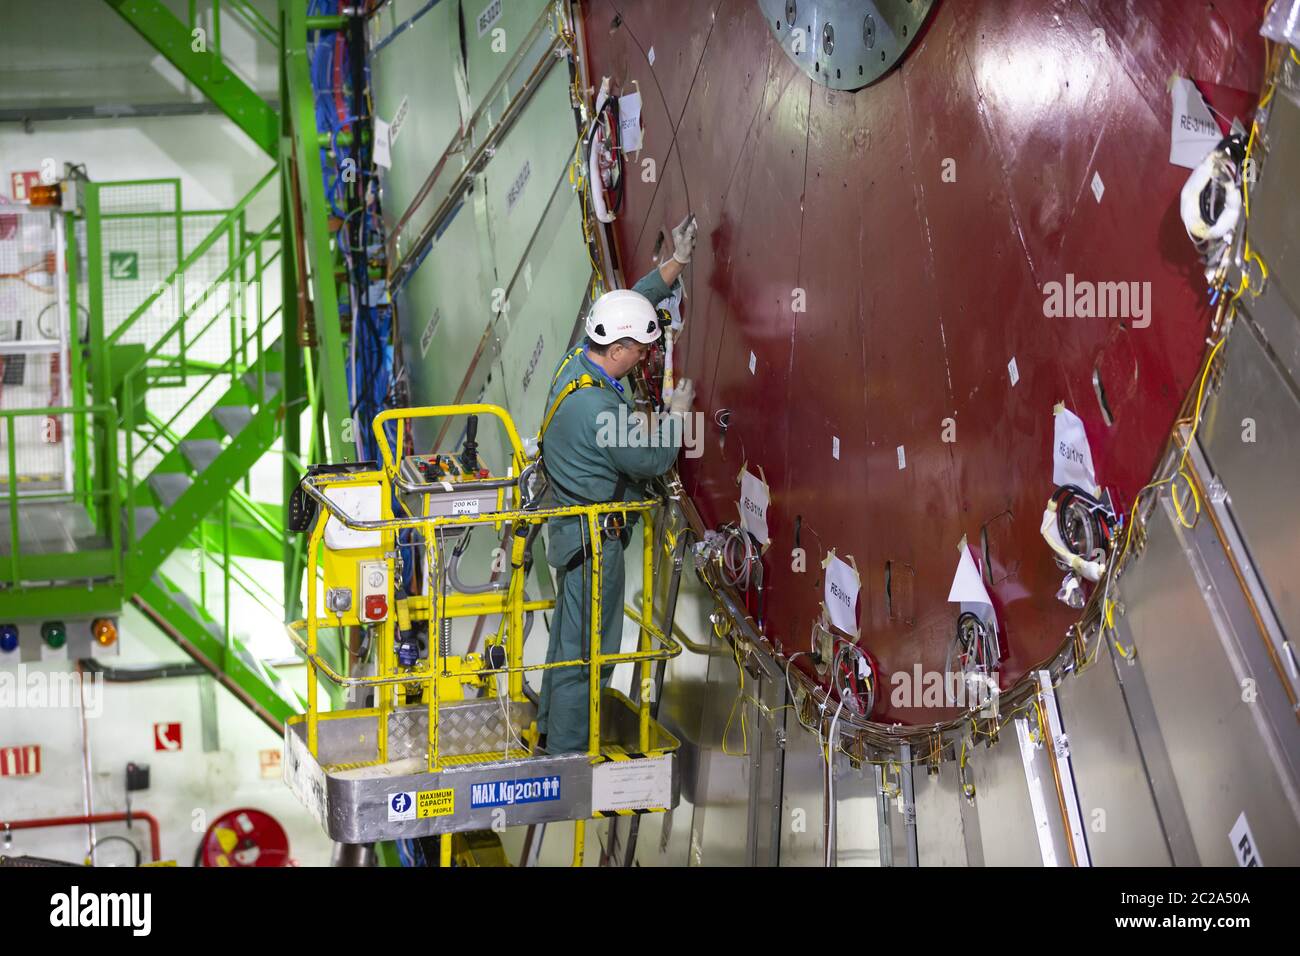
[[469, 453]]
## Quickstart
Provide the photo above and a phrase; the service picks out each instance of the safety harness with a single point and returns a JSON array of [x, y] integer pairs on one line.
[[614, 524]]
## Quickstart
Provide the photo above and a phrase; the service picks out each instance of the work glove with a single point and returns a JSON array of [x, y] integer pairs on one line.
[[684, 239], [683, 398]]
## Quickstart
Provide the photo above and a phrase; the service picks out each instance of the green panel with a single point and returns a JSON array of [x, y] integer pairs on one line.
[[71, 601], [493, 444], [528, 164], [485, 58], [418, 66], [53, 567], [445, 309], [543, 317]]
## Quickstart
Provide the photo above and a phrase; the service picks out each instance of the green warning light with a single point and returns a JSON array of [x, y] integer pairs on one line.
[[54, 634]]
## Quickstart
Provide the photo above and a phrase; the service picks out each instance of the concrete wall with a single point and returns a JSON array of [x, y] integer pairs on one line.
[[217, 768]]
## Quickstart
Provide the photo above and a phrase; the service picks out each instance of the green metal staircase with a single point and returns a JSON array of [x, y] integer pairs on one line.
[[161, 483], [202, 637], [190, 49], [204, 467]]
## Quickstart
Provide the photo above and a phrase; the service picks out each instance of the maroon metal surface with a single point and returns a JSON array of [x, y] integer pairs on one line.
[[919, 291]]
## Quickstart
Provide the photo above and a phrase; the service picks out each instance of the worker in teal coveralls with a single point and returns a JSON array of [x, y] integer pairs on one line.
[[585, 466]]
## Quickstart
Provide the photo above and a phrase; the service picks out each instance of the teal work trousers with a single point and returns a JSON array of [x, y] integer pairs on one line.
[[563, 710]]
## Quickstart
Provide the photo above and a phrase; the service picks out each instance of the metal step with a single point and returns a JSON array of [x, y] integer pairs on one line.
[[146, 516], [169, 486], [200, 452], [271, 381], [233, 418]]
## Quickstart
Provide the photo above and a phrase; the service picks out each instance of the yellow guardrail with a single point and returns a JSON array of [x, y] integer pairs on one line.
[[653, 645]]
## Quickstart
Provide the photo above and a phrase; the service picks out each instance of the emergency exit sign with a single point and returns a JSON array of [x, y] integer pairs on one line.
[[124, 265], [20, 184], [20, 761]]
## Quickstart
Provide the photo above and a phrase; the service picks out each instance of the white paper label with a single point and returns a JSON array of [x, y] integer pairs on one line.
[[1071, 455], [464, 506], [753, 506], [517, 187], [629, 121], [902, 457], [753, 362], [383, 157], [1013, 371], [841, 594], [399, 120], [1098, 187], [1243, 842], [632, 784], [426, 337], [1193, 131], [358, 501], [835, 447], [968, 583], [490, 15]]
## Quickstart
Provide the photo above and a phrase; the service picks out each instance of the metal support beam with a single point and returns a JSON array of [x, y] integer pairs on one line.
[[300, 125], [909, 806]]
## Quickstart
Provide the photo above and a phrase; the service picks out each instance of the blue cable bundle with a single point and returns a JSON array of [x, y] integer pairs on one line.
[[370, 368]]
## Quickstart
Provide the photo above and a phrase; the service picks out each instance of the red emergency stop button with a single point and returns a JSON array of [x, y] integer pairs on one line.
[[376, 607]]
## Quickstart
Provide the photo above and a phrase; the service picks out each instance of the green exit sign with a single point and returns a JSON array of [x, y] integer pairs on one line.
[[124, 265]]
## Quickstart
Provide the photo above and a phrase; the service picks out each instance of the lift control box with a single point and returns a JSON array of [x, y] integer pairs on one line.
[[448, 490]]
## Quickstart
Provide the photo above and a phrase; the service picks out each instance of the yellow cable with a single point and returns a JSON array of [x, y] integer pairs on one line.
[[1178, 507], [740, 694]]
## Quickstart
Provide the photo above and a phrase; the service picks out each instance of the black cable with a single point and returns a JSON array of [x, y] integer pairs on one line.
[[132, 675], [109, 839], [1101, 519]]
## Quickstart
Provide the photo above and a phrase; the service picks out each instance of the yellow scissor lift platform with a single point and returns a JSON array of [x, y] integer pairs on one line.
[[446, 748]]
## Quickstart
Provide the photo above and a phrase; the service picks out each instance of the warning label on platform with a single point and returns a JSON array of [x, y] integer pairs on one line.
[[645, 784], [509, 792], [437, 803]]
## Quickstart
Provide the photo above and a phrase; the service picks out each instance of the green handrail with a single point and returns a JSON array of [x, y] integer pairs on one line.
[[255, 21], [164, 428], [109, 488], [188, 313], [219, 230]]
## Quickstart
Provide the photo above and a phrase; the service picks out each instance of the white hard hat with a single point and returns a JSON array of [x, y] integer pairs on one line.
[[622, 314]]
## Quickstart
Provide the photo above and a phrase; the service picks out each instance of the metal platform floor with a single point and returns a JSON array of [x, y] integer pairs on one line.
[[50, 527]]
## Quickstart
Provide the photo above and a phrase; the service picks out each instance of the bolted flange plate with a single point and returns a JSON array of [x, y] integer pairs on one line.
[[845, 44]]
